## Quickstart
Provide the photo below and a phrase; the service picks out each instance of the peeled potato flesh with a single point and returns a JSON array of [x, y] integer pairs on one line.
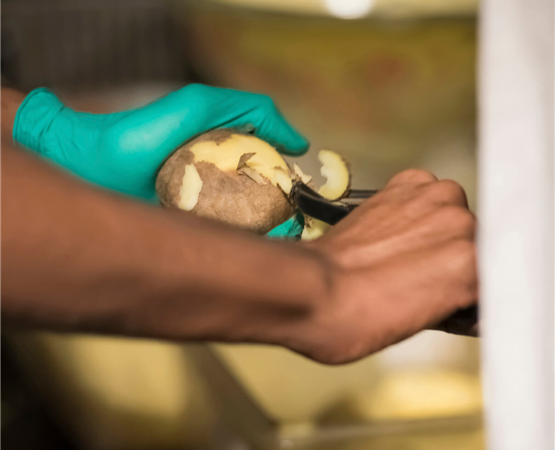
[[314, 229], [190, 188]]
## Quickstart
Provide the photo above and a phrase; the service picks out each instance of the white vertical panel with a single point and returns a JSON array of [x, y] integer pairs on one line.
[[516, 211]]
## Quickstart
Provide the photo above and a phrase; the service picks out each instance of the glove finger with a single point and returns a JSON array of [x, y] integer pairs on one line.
[[274, 129], [290, 229], [260, 112]]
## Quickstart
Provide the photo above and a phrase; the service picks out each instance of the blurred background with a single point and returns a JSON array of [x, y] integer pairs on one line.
[[388, 83]]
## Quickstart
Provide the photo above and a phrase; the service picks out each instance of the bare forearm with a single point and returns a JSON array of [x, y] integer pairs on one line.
[[76, 258]]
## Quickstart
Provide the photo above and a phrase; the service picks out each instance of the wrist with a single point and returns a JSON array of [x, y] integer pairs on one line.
[[313, 297], [292, 326]]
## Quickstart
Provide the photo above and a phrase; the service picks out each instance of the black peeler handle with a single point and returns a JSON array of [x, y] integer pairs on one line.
[[314, 205]]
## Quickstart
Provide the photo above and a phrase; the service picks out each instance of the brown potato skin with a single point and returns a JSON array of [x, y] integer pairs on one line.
[[228, 197]]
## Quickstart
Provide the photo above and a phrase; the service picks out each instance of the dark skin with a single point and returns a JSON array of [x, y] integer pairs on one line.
[[78, 258]]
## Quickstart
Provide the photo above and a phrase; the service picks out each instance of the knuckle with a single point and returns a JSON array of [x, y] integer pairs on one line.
[[447, 191], [465, 248], [453, 189], [457, 218], [458, 259], [415, 176], [466, 222], [462, 255], [462, 262]]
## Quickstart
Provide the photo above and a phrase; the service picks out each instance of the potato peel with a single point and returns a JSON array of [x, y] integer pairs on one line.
[[336, 171], [243, 168], [302, 176], [252, 174], [244, 159]]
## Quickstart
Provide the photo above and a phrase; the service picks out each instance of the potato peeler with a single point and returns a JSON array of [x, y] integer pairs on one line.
[[314, 205]]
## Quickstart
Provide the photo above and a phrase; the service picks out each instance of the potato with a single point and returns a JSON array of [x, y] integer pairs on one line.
[[241, 180], [231, 177]]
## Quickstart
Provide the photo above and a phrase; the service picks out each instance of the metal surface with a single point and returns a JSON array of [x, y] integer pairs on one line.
[[238, 408], [259, 432]]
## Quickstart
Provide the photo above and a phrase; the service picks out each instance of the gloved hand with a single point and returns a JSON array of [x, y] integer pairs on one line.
[[123, 151]]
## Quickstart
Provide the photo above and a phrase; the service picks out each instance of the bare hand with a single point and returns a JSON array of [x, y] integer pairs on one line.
[[402, 262]]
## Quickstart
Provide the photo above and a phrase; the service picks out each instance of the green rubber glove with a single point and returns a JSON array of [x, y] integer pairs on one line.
[[291, 229], [123, 151]]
